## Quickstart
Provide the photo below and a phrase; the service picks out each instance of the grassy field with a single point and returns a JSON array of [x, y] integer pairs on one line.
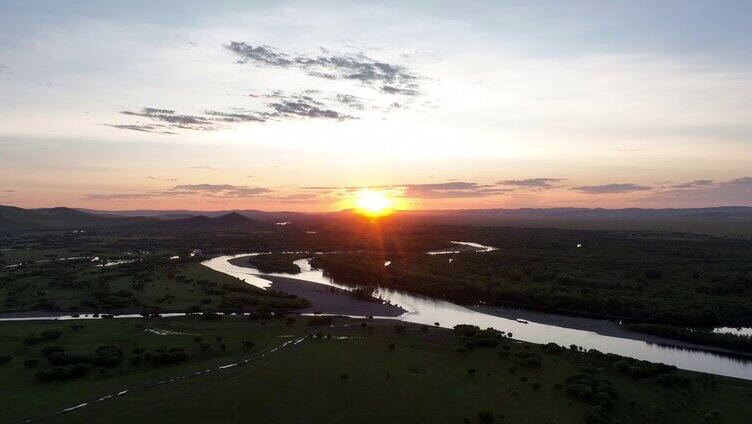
[[149, 283], [377, 373]]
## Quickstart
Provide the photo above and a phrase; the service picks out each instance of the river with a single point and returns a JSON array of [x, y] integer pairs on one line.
[[537, 328]]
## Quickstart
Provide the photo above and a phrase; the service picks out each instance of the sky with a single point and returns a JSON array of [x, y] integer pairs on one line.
[[442, 105]]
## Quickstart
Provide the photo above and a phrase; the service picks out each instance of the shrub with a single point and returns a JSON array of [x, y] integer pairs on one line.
[[48, 350], [108, 356], [4, 359], [466, 329], [319, 320], [485, 417], [63, 373], [51, 334], [597, 415], [164, 356], [32, 340], [528, 359], [31, 363]]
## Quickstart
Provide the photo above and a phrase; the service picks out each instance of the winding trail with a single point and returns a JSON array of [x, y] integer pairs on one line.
[[243, 360]]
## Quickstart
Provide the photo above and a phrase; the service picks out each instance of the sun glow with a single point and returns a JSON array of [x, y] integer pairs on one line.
[[373, 203]]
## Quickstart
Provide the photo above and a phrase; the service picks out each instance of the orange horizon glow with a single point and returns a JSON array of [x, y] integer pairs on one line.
[[373, 203]]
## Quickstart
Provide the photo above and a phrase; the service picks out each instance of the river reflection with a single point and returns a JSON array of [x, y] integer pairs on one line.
[[423, 310]]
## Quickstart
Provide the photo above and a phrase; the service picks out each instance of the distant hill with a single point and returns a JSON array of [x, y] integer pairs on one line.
[[18, 219], [232, 220], [183, 213], [13, 219], [735, 221]]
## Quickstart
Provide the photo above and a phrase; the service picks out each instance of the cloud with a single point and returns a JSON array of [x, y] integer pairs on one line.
[[223, 190], [533, 183], [291, 108], [456, 189], [296, 197], [236, 117], [694, 184], [143, 128], [451, 189], [396, 90], [260, 54], [303, 105], [388, 78], [202, 167], [10, 191], [735, 192], [350, 101], [611, 188], [162, 179], [278, 105], [120, 196], [168, 116], [183, 190]]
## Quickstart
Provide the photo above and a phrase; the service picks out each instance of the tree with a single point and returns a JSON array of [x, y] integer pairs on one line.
[[486, 417]]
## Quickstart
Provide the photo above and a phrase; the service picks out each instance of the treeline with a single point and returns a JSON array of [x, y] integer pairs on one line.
[[664, 280], [281, 262], [698, 336]]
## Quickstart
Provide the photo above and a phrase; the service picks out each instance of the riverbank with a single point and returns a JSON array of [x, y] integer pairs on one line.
[[323, 298], [598, 326], [331, 300]]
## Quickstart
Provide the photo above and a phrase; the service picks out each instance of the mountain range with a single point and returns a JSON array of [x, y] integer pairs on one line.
[[723, 221]]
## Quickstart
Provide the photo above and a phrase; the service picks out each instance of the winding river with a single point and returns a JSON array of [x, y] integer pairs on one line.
[[535, 327]]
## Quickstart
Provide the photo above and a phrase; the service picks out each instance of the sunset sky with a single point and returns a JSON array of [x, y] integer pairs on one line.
[[298, 105]]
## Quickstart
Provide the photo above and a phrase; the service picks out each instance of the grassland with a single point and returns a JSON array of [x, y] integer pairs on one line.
[[149, 283], [373, 373]]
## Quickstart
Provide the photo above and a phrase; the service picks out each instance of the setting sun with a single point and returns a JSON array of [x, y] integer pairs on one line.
[[373, 203]]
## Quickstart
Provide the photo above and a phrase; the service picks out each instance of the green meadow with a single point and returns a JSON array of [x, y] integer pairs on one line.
[[342, 371]]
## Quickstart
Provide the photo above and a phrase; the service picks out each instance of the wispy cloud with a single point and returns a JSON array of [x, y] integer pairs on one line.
[[277, 106], [120, 196], [532, 183], [455, 189], [223, 190], [736, 191], [614, 188], [158, 129], [387, 77], [694, 184], [183, 190], [168, 116]]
